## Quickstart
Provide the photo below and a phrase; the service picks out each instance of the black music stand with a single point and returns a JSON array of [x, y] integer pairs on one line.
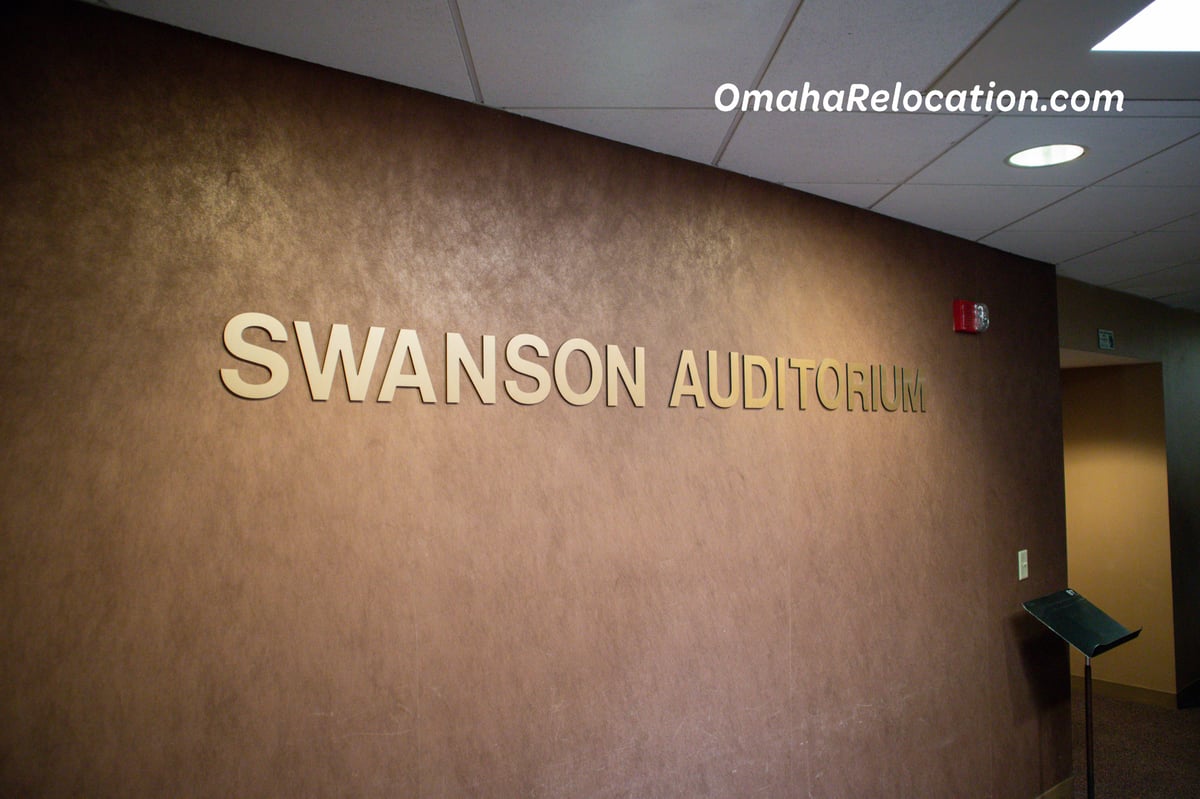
[[1090, 630]]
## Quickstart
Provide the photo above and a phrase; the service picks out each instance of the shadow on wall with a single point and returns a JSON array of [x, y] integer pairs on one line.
[[1043, 657]]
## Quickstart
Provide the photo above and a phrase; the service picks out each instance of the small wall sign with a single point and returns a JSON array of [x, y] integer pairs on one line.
[[1106, 339]]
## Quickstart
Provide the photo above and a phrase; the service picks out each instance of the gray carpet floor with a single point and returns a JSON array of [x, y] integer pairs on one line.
[[1141, 751]]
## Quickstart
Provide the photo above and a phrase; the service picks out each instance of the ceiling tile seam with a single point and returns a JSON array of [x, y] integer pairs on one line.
[[1132, 235], [1069, 232], [1179, 143], [1175, 265], [609, 108], [989, 117], [1110, 115], [876, 183], [1184, 293], [971, 46], [1060, 232], [1096, 184], [1150, 295], [926, 165], [1152, 272], [762, 72], [1159, 228], [912, 182], [1158, 271], [463, 45], [1142, 275], [1105, 247]]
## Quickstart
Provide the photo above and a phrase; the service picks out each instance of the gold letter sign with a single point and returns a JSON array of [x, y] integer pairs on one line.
[[579, 370]]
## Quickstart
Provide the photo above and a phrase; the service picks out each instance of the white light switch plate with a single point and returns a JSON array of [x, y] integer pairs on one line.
[[1023, 564]]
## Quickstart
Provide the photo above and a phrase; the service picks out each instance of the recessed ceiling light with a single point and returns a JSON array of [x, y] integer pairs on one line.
[[1164, 26], [1046, 155]]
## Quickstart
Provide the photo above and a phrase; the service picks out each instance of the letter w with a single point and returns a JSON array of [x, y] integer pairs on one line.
[[320, 375]]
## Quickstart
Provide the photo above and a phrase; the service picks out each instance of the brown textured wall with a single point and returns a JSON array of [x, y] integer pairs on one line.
[[210, 596]]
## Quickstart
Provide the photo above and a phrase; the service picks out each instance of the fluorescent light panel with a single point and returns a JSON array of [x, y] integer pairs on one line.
[[1164, 26]]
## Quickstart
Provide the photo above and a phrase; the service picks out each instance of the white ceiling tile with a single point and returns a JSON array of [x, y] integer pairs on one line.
[[1133, 257], [411, 43], [1051, 247], [840, 147], [1046, 45], [1162, 283], [1112, 143], [833, 43], [971, 208], [693, 134], [1115, 208], [863, 195], [1178, 166], [614, 53]]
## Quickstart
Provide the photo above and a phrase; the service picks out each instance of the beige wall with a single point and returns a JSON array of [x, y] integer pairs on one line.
[[211, 596], [1150, 331], [1118, 530]]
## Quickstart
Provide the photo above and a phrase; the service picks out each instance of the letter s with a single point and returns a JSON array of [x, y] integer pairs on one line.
[[243, 350]]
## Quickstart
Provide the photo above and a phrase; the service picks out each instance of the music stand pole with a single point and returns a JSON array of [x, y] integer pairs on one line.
[[1087, 701], [1089, 630]]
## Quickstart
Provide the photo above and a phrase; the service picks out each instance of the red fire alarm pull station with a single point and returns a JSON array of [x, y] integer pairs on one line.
[[970, 317]]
